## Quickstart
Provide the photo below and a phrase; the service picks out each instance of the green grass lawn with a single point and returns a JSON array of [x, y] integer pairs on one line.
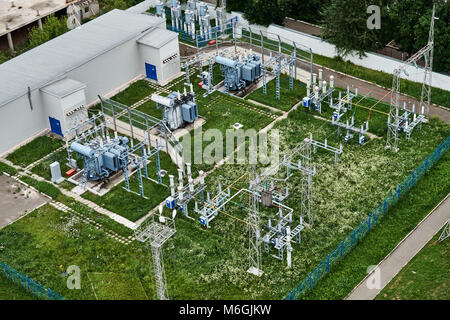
[[34, 150], [288, 98], [12, 291], [42, 186], [380, 241], [135, 92], [47, 238], [425, 277], [8, 169]]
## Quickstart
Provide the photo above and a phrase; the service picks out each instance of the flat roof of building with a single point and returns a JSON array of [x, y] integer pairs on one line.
[[63, 87], [51, 61], [15, 14], [157, 38]]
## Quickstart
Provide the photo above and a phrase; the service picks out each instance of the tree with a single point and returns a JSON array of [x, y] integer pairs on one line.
[[411, 29], [304, 10], [405, 16], [51, 28], [344, 24], [441, 36], [264, 12], [237, 5]]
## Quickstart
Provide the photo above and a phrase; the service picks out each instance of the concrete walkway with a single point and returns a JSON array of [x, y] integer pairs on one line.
[[404, 251]]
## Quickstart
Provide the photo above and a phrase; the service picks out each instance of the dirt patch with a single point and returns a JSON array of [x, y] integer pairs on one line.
[[16, 199]]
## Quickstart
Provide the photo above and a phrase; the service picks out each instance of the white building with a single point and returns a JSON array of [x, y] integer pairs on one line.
[[51, 85]]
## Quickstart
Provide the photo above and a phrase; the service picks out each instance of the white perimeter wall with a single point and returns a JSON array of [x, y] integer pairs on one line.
[[372, 60]]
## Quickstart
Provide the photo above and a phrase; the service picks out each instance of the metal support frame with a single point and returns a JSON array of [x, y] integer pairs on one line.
[[326, 146], [394, 120], [349, 128]]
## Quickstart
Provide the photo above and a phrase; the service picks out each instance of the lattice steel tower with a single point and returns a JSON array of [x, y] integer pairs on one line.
[[394, 119]]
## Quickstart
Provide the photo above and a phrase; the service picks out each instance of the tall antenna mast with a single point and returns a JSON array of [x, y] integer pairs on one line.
[[254, 226]]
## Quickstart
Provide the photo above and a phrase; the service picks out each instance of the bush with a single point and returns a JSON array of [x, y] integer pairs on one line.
[[51, 28]]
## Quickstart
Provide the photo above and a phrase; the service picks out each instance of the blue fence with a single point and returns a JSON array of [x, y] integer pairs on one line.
[[29, 284], [202, 41], [365, 226]]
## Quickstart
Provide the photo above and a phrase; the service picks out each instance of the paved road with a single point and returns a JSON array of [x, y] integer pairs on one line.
[[405, 250]]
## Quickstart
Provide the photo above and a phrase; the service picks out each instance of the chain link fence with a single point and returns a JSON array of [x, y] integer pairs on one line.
[[29, 284], [369, 222]]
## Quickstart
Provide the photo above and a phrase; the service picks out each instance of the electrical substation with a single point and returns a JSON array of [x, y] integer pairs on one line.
[[125, 109]]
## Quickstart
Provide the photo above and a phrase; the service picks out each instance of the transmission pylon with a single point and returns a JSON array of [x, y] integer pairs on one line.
[[254, 226], [395, 119]]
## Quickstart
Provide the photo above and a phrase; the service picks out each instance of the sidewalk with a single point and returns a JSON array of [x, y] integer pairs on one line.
[[405, 250]]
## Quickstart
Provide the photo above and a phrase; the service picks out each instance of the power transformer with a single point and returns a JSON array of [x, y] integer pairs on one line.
[[239, 73], [102, 158], [178, 109]]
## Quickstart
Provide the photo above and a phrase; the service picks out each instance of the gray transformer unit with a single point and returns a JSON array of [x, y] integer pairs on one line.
[[101, 159], [239, 74], [178, 109]]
